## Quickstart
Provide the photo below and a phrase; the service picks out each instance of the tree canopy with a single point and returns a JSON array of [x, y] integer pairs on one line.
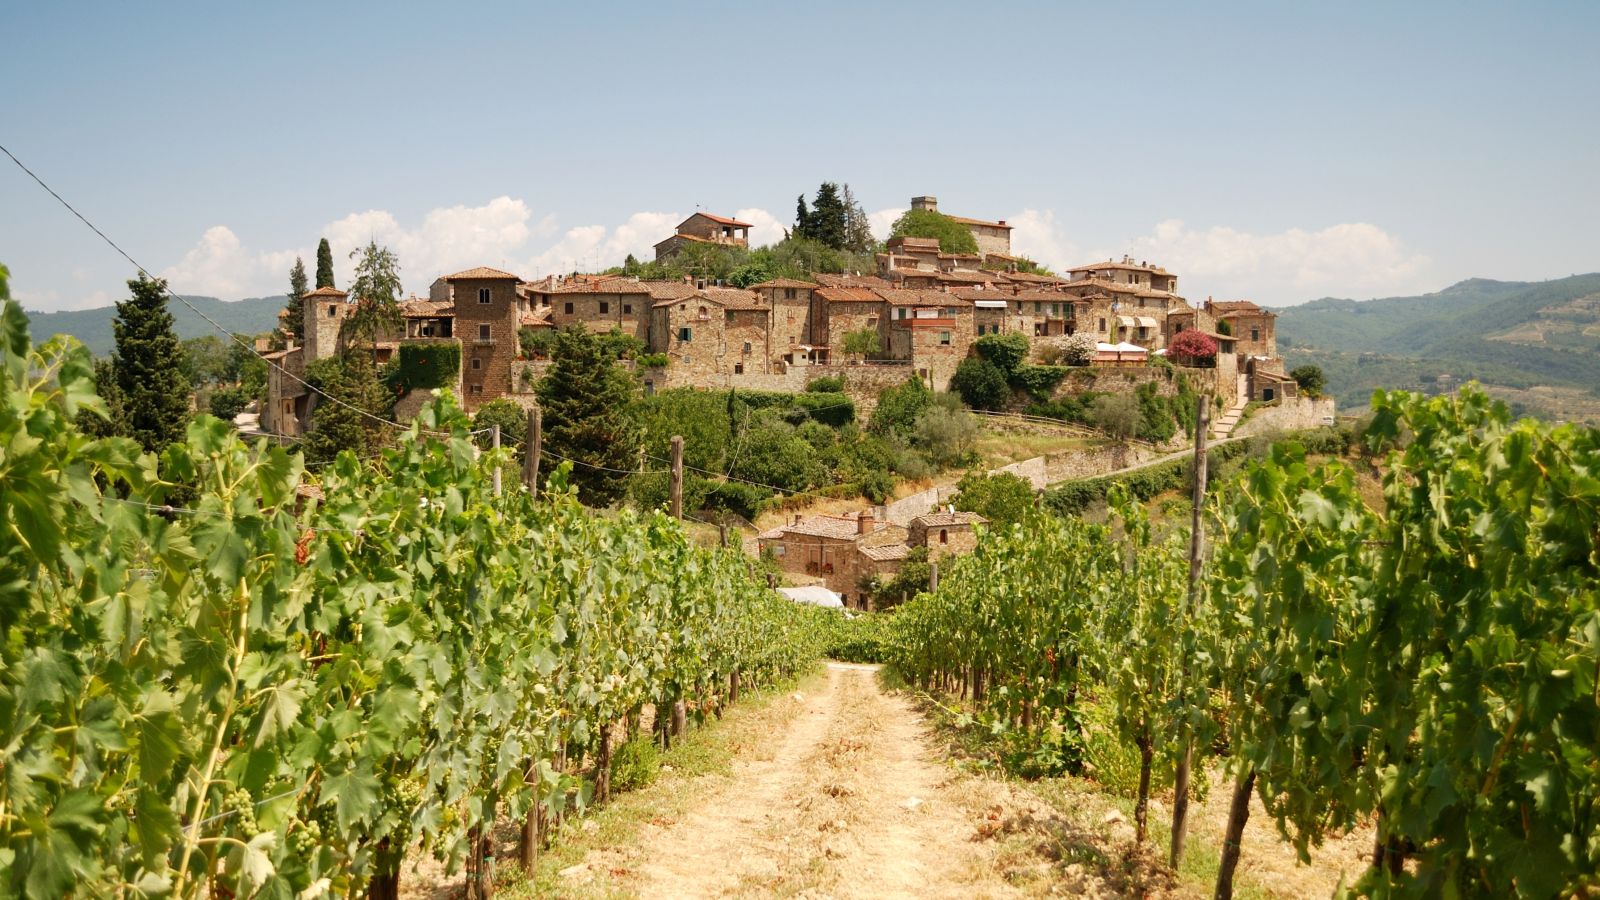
[[585, 398], [925, 223], [324, 264]]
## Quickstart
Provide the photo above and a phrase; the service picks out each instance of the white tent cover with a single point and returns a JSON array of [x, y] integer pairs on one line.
[[815, 594]]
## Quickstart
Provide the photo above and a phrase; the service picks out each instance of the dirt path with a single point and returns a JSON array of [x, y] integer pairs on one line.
[[848, 802]]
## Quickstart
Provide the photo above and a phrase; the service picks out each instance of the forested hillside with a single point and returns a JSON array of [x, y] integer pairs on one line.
[[93, 326], [1532, 343]]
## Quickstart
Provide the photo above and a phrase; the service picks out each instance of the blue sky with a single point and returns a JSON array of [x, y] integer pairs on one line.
[[1279, 152]]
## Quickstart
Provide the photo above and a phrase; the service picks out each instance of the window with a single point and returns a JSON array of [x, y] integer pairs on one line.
[[900, 313], [474, 388], [485, 332], [1178, 329], [738, 368], [944, 536], [333, 310], [604, 307], [1255, 334], [777, 549], [944, 338], [476, 363], [704, 314], [747, 346], [788, 293], [685, 334], [649, 388], [1102, 324], [567, 309], [872, 321], [1037, 307], [483, 295], [627, 309]]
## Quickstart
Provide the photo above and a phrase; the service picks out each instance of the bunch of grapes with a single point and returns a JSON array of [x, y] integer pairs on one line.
[[305, 837], [240, 808]]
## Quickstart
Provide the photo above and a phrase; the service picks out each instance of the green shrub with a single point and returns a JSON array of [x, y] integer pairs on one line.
[[652, 360], [828, 408], [227, 403], [981, 383], [1039, 381], [635, 764], [1008, 352], [827, 384]]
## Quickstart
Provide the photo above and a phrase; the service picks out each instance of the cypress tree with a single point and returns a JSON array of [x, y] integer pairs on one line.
[[149, 365], [827, 220], [324, 264], [802, 218], [585, 398], [294, 311]]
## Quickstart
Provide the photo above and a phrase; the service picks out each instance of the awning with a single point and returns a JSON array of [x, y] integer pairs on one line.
[[1146, 321], [1136, 321], [989, 304]]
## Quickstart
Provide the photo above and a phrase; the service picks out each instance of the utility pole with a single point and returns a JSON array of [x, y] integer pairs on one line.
[[677, 477], [1180, 780], [494, 437], [933, 576], [530, 463]]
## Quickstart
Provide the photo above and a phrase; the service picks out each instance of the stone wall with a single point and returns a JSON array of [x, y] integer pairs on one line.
[[1289, 415], [600, 313]]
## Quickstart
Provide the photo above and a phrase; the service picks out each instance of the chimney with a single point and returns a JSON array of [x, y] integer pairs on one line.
[[797, 518], [1002, 221], [864, 522]]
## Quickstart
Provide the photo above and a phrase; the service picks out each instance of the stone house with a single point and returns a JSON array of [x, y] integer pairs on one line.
[[847, 309], [1140, 274], [934, 338], [747, 332], [791, 303], [488, 317], [828, 550], [994, 238], [600, 306], [705, 228], [1254, 329], [945, 533]]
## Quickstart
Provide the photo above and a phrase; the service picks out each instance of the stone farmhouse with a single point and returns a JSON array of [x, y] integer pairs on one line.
[[845, 553], [705, 228]]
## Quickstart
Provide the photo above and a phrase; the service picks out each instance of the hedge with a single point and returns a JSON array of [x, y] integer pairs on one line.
[[433, 364], [827, 407]]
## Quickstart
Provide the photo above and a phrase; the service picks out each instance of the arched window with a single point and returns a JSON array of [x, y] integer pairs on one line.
[[944, 536]]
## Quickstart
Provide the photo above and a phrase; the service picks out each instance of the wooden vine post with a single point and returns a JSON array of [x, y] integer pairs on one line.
[[530, 462], [494, 438], [1180, 780]]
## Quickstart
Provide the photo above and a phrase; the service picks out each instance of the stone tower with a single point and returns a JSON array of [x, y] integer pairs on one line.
[[325, 310]]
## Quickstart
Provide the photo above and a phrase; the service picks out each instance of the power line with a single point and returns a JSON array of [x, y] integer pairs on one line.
[[192, 308]]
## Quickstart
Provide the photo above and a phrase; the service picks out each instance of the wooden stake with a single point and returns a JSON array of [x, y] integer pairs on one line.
[[494, 437], [530, 462], [1180, 780], [1238, 814], [677, 477]]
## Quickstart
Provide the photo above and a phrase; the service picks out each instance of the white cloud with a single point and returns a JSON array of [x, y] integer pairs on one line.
[[219, 266], [1349, 259], [767, 229], [1036, 235], [883, 220], [449, 239], [593, 247]]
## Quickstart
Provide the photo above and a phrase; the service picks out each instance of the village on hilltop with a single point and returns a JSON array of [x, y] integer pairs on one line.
[[919, 313]]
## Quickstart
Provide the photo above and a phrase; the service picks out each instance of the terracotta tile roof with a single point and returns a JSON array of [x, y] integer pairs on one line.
[[669, 290], [736, 298], [943, 519], [616, 284], [704, 296], [785, 283], [838, 527], [686, 237], [1128, 266], [966, 221], [418, 308], [1031, 278], [849, 295], [325, 292], [534, 320], [721, 220], [959, 256], [924, 298], [1030, 296], [1101, 284], [959, 277], [481, 273], [914, 243], [886, 553], [904, 274], [1234, 306], [837, 280]]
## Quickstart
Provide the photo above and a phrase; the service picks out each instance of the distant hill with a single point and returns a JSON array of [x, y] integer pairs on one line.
[[93, 326], [1536, 344]]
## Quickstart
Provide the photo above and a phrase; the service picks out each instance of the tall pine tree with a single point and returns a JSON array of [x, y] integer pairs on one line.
[[324, 264], [294, 312], [149, 367], [827, 220]]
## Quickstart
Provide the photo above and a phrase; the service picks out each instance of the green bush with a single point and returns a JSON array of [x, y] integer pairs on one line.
[[981, 384], [1008, 352], [828, 408], [424, 366], [1038, 381], [227, 403], [635, 764], [827, 384], [860, 638], [652, 360]]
